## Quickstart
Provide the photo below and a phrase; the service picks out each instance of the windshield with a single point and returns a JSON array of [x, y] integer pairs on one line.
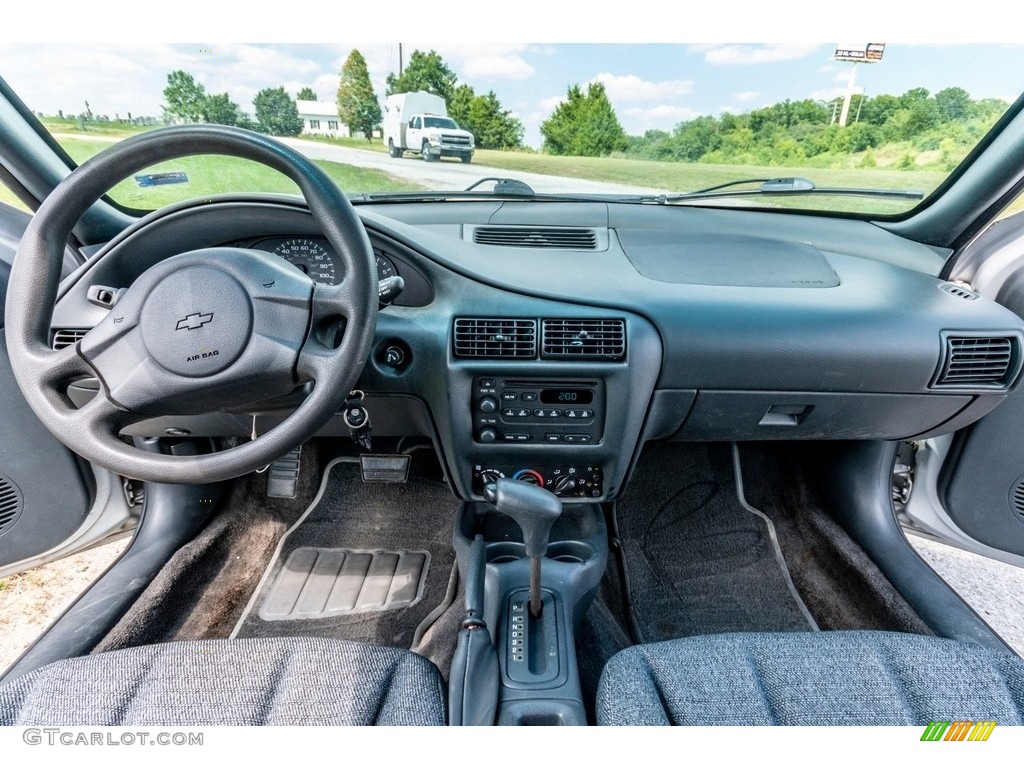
[[890, 122], [439, 122]]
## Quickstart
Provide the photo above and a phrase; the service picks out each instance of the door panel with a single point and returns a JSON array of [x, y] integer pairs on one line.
[[982, 482], [45, 489]]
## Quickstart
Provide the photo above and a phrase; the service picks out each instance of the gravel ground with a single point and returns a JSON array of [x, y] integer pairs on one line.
[[30, 601], [994, 589]]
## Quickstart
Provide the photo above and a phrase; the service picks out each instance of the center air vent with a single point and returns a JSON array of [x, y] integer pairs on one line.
[[10, 504], [986, 362], [495, 337], [575, 238], [66, 337], [583, 339]]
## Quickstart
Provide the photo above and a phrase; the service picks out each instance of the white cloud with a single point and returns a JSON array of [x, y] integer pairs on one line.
[[827, 94], [551, 102], [746, 95], [625, 88], [660, 113], [758, 54], [497, 68], [473, 62]]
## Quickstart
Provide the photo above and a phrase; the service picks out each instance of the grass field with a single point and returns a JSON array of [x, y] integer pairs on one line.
[[210, 175], [207, 174]]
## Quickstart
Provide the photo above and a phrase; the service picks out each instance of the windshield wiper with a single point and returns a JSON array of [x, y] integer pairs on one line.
[[786, 186]]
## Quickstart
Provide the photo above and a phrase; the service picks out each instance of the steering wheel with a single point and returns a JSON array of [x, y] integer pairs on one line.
[[202, 331]]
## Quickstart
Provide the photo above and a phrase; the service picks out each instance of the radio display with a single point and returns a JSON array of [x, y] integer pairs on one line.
[[567, 396]]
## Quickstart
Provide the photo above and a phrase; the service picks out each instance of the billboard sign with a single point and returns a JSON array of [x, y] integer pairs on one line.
[[866, 52]]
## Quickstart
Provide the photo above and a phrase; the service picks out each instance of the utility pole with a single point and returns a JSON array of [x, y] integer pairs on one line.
[[399, 59]]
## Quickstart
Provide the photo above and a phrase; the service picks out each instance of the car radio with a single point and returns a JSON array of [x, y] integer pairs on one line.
[[514, 410]]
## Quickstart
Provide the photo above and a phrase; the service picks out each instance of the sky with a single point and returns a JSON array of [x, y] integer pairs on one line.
[[652, 83]]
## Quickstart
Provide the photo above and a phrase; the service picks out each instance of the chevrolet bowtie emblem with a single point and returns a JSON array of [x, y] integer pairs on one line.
[[194, 321]]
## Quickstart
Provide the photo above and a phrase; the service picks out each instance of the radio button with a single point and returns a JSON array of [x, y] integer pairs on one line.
[[510, 395], [528, 396], [553, 437]]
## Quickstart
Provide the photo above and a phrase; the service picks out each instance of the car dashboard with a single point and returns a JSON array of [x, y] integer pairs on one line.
[[551, 340]]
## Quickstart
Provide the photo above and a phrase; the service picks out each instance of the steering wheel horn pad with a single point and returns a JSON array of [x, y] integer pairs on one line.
[[196, 321]]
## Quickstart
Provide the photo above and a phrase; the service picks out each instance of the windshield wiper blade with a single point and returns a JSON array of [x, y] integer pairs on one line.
[[785, 186]]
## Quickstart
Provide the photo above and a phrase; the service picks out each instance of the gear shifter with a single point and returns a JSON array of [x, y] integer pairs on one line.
[[535, 510]]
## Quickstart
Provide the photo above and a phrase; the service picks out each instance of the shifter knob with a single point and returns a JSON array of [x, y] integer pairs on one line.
[[533, 507]]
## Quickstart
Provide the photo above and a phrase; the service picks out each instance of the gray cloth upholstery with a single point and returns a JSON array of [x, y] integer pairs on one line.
[[286, 681], [823, 678]]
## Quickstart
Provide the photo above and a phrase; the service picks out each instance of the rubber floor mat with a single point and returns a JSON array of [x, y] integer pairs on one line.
[[698, 561], [315, 583], [367, 562]]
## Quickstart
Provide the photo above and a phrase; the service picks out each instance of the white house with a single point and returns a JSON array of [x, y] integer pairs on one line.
[[320, 118]]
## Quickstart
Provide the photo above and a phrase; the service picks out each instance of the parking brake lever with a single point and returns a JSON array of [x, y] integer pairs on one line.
[[535, 510]]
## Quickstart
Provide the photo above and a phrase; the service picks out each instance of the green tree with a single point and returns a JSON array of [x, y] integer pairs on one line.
[[358, 107], [460, 105], [276, 113], [307, 94], [492, 126], [425, 72], [953, 103], [220, 109], [584, 124], [483, 116], [185, 97]]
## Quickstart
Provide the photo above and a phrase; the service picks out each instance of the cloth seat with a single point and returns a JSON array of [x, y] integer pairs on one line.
[[278, 681], [802, 678]]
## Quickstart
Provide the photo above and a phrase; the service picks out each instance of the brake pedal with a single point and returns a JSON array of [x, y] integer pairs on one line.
[[283, 475]]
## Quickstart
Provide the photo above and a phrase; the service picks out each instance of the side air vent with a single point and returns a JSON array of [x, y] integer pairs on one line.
[[574, 238], [959, 291], [971, 362], [66, 337], [495, 337], [571, 339], [10, 504]]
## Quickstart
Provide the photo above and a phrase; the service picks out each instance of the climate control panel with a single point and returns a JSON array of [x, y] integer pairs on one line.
[[512, 410], [568, 481]]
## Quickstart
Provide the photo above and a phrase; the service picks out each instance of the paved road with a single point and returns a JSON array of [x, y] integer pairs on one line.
[[451, 174]]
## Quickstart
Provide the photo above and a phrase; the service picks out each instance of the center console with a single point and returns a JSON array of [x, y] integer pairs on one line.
[[537, 673]]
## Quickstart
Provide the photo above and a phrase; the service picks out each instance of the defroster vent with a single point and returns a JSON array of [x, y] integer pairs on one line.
[[583, 339], [495, 337], [986, 362], [575, 238]]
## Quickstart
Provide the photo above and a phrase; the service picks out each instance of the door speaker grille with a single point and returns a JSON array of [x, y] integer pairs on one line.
[[10, 504], [1017, 498]]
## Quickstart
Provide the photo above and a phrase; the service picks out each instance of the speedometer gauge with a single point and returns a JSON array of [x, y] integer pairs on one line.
[[311, 257]]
